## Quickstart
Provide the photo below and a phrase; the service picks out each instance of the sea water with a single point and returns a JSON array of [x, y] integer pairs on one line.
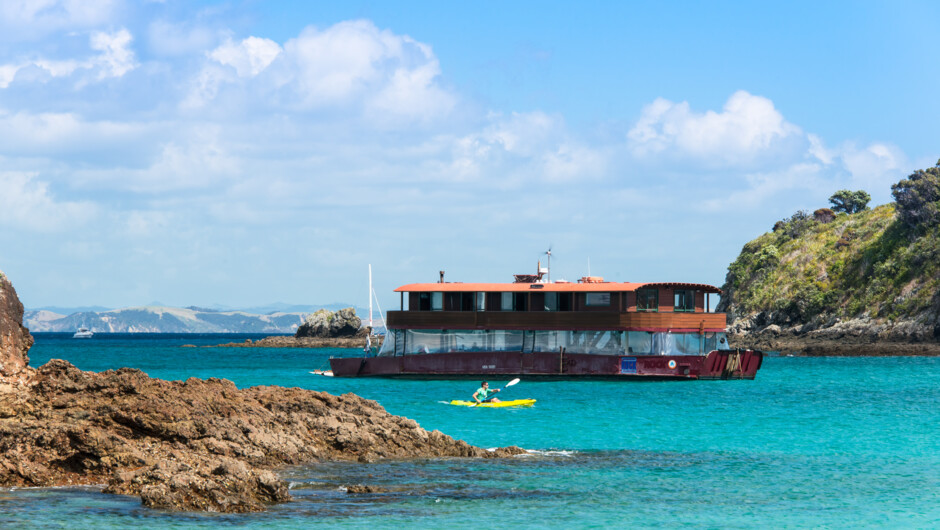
[[832, 442]]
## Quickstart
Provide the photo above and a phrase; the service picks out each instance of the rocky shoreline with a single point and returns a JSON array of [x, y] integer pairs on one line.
[[816, 347], [858, 337], [195, 445], [287, 341]]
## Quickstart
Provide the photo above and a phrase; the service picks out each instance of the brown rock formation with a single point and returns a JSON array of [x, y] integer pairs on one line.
[[15, 340], [192, 445]]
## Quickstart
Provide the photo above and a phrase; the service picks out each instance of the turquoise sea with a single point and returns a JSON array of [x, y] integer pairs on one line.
[[812, 442]]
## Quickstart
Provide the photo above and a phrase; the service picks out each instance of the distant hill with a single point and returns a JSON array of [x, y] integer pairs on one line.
[[865, 277], [159, 319]]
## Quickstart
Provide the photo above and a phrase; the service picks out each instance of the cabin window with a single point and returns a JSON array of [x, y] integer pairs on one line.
[[685, 343], [467, 301], [480, 301], [505, 340], [593, 342], [424, 302], [597, 299], [647, 300], [638, 342], [424, 341], [716, 341], [519, 301], [437, 301], [565, 301], [685, 300], [451, 301], [551, 302], [505, 302]]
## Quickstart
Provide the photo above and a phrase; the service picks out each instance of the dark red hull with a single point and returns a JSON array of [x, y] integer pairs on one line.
[[722, 364]]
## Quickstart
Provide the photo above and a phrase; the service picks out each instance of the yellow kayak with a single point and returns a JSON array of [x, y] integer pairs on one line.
[[513, 403]]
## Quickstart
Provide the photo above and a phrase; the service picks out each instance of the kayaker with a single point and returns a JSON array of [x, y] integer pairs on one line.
[[483, 394]]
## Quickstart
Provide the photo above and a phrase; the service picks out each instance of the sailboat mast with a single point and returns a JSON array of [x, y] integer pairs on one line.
[[370, 297]]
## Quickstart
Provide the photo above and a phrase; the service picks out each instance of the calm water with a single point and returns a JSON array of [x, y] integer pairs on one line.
[[831, 442]]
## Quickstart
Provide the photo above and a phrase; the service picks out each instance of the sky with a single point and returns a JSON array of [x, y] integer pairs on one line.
[[242, 153]]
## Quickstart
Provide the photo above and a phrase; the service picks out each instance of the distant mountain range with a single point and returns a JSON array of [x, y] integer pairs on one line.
[[276, 318]]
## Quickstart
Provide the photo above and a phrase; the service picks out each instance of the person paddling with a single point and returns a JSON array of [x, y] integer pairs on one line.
[[482, 394]]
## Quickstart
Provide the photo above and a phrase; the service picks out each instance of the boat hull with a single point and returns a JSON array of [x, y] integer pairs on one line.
[[719, 364], [495, 405]]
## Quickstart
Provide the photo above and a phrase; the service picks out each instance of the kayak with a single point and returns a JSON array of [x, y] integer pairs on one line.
[[513, 403]]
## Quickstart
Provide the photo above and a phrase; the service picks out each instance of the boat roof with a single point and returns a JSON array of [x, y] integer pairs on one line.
[[564, 287]]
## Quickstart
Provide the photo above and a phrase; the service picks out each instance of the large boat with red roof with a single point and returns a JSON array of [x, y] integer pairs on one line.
[[543, 329]]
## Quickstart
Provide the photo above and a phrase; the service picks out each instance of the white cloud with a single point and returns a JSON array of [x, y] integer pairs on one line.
[[27, 203], [530, 146], [249, 57], [764, 187], [875, 168], [7, 73], [56, 135], [115, 58], [818, 149], [748, 127], [351, 67], [194, 158]]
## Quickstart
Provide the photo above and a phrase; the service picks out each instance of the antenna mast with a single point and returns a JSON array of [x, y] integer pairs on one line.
[[370, 298], [549, 254]]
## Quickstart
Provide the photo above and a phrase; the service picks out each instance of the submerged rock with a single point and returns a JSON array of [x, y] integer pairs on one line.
[[183, 445]]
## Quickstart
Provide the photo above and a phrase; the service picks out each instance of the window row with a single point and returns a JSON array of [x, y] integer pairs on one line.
[[416, 342], [646, 300]]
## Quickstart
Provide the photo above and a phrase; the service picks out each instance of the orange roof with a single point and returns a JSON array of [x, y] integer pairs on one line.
[[604, 287]]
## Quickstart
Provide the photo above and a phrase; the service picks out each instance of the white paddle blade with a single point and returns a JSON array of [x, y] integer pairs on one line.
[[514, 381]]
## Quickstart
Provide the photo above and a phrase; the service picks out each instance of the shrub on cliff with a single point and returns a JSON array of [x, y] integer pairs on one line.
[[850, 201], [824, 215], [918, 198]]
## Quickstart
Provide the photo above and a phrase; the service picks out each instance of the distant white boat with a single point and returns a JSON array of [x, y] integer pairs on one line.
[[83, 333]]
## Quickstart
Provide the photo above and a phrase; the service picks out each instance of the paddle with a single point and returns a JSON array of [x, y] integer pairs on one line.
[[509, 384]]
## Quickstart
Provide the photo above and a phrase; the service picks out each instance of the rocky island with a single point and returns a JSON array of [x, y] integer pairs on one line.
[[321, 329], [192, 445], [844, 281]]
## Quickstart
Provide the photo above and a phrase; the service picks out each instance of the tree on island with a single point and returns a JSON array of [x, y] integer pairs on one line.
[[850, 201], [918, 198]]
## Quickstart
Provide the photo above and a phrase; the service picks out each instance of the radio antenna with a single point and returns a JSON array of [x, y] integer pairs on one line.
[[549, 254]]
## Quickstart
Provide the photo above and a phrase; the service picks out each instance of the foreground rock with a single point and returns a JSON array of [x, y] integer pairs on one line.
[[192, 445]]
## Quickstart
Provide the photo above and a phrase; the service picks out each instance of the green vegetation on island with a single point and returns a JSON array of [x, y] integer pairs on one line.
[[878, 268]]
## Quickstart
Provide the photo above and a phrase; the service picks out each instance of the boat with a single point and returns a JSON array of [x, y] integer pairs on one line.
[[541, 329], [495, 404], [83, 333]]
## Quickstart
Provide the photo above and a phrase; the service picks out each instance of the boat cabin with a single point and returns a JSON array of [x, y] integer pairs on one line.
[[588, 316]]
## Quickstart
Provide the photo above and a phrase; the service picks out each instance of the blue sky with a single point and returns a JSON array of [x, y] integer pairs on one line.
[[247, 152]]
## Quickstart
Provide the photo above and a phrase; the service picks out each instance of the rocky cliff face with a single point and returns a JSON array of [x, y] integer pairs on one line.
[[853, 284], [327, 324], [15, 339], [192, 445]]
